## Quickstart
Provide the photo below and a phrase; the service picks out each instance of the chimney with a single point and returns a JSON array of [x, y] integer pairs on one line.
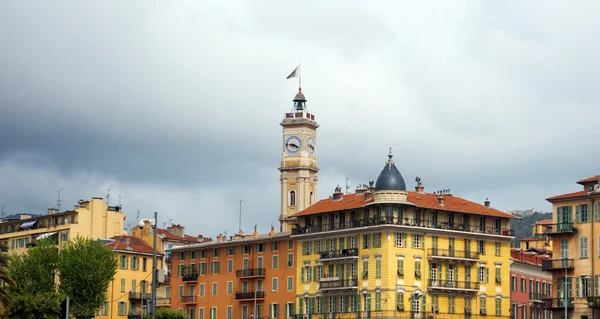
[[371, 186], [219, 238], [440, 200], [361, 189], [255, 235], [337, 195], [419, 188], [52, 211], [272, 232], [487, 202], [176, 230]]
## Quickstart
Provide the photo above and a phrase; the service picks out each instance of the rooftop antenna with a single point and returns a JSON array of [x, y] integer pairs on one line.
[[59, 201], [347, 186], [108, 197], [2, 213], [240, 225], [120, 205]]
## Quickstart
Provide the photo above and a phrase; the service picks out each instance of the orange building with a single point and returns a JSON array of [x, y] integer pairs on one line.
[[228, 277]]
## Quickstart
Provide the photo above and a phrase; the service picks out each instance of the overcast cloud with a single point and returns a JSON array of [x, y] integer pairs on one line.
[[175, 106]]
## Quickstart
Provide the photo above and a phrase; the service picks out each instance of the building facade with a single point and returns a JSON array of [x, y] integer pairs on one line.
[[385, 252], [129, 291], [241, 277], [90, 218], [538, 240], [529, 285], [575, 265]]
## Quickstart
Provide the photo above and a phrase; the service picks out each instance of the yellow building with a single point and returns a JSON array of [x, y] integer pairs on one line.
[[575, 235], [130, 290], [384, 252], [90, 218], [539, 242]]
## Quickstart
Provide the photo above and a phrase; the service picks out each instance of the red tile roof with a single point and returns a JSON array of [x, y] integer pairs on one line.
[[588, 180], [167, 234], [544, 221], [129, 243], [568, 195], [424, 200]]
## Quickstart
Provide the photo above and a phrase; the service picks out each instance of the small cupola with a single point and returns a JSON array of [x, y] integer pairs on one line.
[[299, 102], [390, 178]]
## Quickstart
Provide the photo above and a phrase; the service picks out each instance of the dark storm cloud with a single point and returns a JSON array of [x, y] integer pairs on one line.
[[176, 107]]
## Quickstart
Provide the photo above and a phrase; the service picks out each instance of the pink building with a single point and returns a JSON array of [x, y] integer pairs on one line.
[[529, 284]]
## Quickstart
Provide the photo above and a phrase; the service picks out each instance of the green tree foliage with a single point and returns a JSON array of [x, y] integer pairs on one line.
[[167, 313], [42, 305], [5, 296], [33, 292], [86, 268]]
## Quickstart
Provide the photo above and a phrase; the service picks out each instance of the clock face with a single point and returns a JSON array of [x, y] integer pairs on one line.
[[310, 145], [293, 144]]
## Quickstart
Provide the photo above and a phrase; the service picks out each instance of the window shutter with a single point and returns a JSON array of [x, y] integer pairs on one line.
[[301, 275], [405, 239], [300, 305], [456, 274], [578, 287], [559, 215], [315, 274], [346, 297], [424, 304], [487, 275], [578, 214], [597, 211], [400, 267], [570, 214]]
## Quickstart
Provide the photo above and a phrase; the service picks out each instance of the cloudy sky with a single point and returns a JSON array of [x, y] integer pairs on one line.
[[175, 106]]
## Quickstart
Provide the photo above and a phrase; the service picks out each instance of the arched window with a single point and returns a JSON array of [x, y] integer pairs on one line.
[[311, 198], [292, 198]]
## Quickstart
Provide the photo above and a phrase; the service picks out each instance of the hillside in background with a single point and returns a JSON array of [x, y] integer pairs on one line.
[[522, 228]]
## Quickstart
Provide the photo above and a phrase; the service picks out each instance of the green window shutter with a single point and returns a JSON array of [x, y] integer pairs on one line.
[[597, 211], [346, 303], [558, 215], [424, 305], [301, 275], [487, 275], [300, 305], [456, 273], [570, 214], [577, 287], [578, 214]]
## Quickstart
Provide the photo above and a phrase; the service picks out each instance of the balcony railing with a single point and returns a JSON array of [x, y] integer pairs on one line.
[[557, 264], [553, 303], [335, 283], [339, 254], [593, 301], [407, 314], [139, 295], [165, 302], [189, 277], [188, 299], [249, 295], [402, 221], [453, 284], [552, 229], [445, 253], [253, 272], [538, 296]]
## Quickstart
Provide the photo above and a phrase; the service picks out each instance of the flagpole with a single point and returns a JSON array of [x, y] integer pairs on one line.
[[299, 75]]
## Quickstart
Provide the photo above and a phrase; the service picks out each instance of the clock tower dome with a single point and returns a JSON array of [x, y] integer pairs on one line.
[[298, 161]]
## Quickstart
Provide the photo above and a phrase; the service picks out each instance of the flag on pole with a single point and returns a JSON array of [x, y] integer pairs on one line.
[[293, 74]]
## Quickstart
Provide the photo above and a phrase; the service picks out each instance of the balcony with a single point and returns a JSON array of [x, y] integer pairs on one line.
[[440, 284], [249, 295], [339, 255], [311, 229], [593, 301], [453, 254], [188, 299], [189, 277], [250, 273], [555, 229], [334, 283], [133, 295], [537, 296], [558, 264], [164, 302], [557, 303]]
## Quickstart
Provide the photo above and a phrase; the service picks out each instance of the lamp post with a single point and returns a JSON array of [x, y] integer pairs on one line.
[[153, 223], [255, 294]]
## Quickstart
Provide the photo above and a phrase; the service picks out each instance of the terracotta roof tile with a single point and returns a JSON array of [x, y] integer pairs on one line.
[[588, 180], [167, 234], [424, 200], [129, 243], [568, 195], [544, 221]]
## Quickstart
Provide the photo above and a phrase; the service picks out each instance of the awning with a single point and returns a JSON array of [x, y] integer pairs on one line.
[[46, 235], [28, 224]]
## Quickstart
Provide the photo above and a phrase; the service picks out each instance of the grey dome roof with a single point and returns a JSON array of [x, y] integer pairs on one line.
[[390, 178], [300, 96]]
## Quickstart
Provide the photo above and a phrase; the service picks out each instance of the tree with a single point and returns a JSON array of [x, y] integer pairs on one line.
[[86, 268], [34, 293], [167, 313], [7, 280]]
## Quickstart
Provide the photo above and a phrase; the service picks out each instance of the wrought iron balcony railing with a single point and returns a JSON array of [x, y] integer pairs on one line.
[[444, 253], [553, 303], [538, 296], [335, 283], [189, 277], [453, 284], [554, 229], [188, 299], [249, 295], [139, 295], [252, 272], [557, 264], [339, 254]]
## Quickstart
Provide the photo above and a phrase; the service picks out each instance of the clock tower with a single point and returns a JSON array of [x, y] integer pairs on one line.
[[298, 162]]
